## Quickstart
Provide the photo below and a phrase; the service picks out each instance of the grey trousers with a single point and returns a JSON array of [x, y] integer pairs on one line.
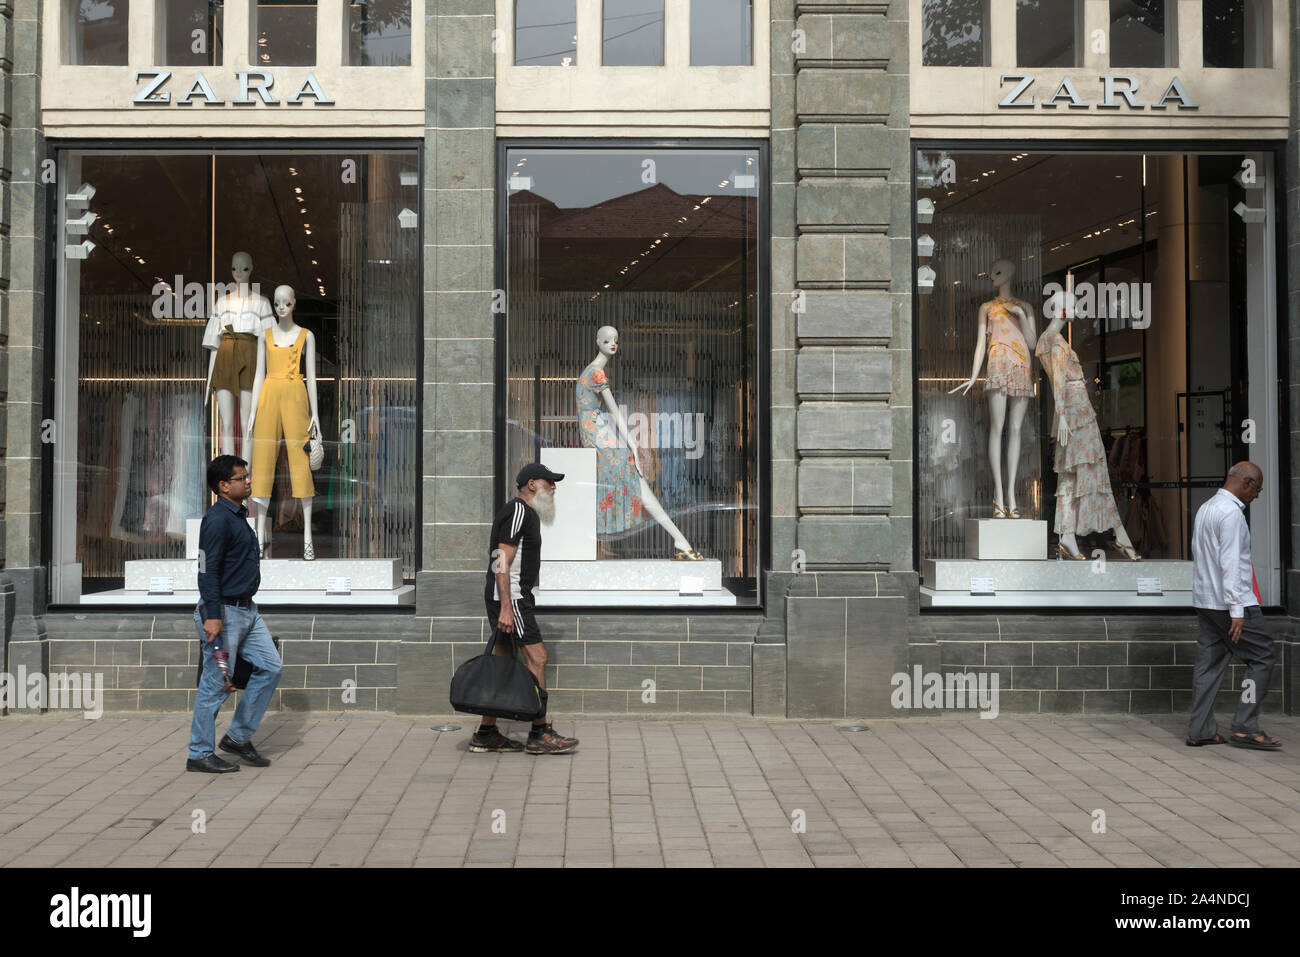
[[1213, 650]]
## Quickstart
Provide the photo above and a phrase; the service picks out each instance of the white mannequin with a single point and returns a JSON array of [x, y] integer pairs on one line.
[[1000, 274], [285, 332], [607, 342], [1062, 432], [244, 301]]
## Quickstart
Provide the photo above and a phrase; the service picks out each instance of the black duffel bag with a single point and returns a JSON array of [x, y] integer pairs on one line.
[[497, 686]]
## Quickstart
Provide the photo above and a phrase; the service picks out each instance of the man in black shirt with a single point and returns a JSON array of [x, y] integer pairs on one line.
[[228, 622], [514, 560]]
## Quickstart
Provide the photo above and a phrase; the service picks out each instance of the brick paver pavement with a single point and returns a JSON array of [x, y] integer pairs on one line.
[[362, 790]]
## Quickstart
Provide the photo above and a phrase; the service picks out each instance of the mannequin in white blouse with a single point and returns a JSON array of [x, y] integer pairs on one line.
[[244, 311]]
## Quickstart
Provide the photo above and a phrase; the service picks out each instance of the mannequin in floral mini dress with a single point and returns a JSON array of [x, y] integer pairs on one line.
[[1084, 499], [1006, 332]]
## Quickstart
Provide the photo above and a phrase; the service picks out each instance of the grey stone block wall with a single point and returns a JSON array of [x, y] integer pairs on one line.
[[1291, 362]]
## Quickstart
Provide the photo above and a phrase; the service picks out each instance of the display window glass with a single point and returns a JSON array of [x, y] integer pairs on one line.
[[954, 33], [546, 32], [1142, 34], [722, 32], [214, 302], [1047, 33], [632, 366], [379, 33], [98, 32], [192, 31], [633, 32], [1095, 342], [284, 32], [1237, 33]]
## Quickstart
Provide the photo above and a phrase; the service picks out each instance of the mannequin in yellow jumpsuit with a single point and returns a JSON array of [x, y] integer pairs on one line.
[[284, 407]]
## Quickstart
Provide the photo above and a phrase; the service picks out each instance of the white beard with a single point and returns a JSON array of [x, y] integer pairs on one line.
[[544, 505]]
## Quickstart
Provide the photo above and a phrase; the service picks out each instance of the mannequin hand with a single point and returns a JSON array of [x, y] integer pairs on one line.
[[207, 397], [636, 462], [313, 423], [1062, 432], [963, 388]]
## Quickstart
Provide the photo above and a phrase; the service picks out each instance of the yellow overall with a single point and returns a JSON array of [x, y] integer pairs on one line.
[[282, 410]]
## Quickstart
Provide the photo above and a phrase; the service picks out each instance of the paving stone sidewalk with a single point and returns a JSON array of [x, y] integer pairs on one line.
[[372, 790]]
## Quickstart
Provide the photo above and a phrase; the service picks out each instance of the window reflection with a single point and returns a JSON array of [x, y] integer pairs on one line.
[[1047, 33], [546, 32], [99, 33], [1237, 33], [722, 32], [192, 32], [633, 33], [379, 33], [284, 33], [1141, 33], [954, 33]]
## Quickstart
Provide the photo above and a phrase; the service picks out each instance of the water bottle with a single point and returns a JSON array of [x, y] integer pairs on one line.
[[223, 661]]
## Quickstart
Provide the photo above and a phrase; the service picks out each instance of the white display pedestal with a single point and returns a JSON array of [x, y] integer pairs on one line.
[[1004, 539], [572, 537], [637, 581], [192, 535], [947, 583]]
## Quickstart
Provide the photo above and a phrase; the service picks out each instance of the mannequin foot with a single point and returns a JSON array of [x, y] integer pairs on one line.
[[998, 510], [308, 552], [1128, 551], [690, 555], [1064, 551]]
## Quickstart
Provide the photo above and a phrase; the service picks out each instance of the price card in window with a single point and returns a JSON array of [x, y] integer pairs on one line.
[[690, 585], [161, 585], [338, 586], [981, 586], [1149, 586]]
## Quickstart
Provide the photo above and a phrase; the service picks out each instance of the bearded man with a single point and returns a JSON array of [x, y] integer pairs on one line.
[[514, 560]]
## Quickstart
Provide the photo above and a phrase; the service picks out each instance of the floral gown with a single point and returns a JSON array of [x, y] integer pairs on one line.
[[1008, 370], [618, 484], [1084, 500]]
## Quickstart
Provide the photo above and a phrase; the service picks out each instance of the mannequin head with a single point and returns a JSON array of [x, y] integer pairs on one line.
[[241, 267], [607, 340], [284, 302], [1002, 272]]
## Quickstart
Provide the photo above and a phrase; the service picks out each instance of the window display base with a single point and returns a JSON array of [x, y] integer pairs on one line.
[[965, 583], [1006, 539], [652, 582], [395, 597]]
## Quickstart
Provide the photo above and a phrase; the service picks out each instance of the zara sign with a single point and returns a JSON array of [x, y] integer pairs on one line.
[[254, 87], [1114, 89]]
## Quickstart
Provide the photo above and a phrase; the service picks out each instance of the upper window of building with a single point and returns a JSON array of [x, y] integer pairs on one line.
[[954, 33], [379, 33], [1237, 33], [98, 32], [633, 33], [546, 32], [284, 33], [1142, 33], [191, 31], [722, 32], [1047, 33]]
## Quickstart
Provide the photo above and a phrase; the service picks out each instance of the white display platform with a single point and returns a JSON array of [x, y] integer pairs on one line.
[[637, 581], [192, 535], [405, 595], [946, 583], [278, 574], [1006, 539], [572, 537]]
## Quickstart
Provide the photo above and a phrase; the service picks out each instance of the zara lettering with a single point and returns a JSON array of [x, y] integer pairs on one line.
[[1121, 86], [254, 87]]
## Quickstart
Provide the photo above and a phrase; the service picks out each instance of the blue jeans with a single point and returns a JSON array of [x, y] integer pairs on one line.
[[242, 631]]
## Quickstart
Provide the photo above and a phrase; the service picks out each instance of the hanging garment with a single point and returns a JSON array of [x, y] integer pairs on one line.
[[282, 410], [618, 484], [1008, 368], [1084, 500]]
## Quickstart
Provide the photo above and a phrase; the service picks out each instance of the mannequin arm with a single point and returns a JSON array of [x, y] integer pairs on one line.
[[607, 396], [1027, 326], [310, 353], [980, 345], [259, 377], [212, 364]]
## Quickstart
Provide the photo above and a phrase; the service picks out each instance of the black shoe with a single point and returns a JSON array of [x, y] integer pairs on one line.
[[492, 740], [211, 764], [245, 751]]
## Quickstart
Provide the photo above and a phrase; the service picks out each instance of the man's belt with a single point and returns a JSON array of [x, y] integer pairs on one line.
[[245, 602]]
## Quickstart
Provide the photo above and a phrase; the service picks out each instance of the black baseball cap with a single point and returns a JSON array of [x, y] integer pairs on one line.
[[536, 471]]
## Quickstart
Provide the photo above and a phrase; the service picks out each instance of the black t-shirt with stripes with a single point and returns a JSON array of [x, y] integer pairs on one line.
[[516, 524]]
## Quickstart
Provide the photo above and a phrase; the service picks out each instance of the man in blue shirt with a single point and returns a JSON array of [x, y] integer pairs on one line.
[[229, 575]]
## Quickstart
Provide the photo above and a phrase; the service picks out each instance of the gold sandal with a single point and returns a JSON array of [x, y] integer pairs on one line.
[[998, 510], [691, 556], [1063, 552], [1128, 551]]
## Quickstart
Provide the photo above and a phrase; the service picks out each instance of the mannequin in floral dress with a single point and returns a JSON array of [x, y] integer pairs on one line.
[[1006, 330], [625, 498], [1084, 500]]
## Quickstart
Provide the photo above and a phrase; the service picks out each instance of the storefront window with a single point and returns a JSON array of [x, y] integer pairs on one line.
[[98, 35], [1237, 33], [632, 365], [165, 304], [284, 33], [379, 33], [1141, 33], [1109, 427], [1047, 33], [192, 32], [954, 33], [546, 32], [634, 33], [722, 32]]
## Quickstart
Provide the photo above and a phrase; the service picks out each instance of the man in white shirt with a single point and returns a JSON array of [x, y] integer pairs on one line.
[[1228, 615]]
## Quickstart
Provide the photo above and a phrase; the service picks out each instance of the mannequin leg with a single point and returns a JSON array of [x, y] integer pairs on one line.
[[651, 505], [997, 416], [263, 505], [226, 412], [245, 409], [308, 547], [1018, 406]]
